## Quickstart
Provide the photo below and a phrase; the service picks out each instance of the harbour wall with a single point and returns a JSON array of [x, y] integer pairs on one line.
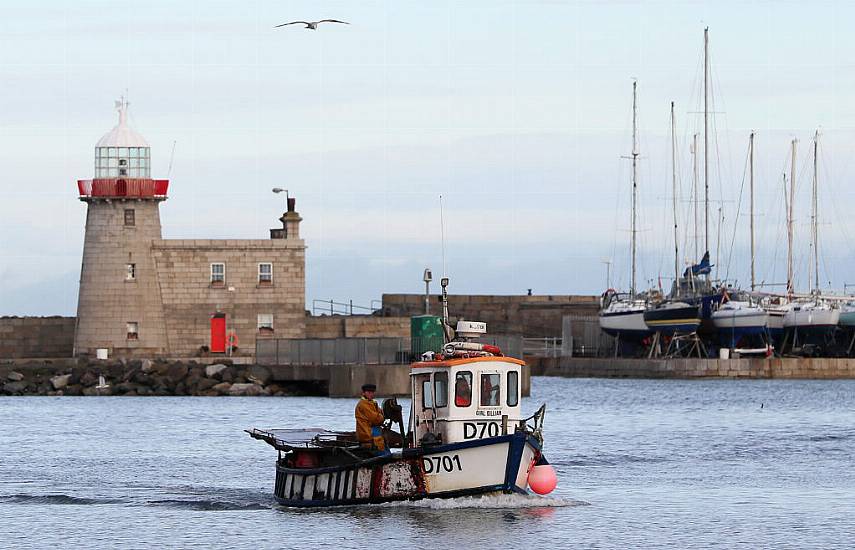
[[357, 326], [785, 368], [519, 315], [36, 337]]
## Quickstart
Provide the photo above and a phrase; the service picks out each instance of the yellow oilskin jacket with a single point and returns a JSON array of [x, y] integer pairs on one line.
[[368, 421]]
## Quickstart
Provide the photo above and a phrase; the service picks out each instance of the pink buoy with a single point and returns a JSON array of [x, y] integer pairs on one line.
[[542, 479]]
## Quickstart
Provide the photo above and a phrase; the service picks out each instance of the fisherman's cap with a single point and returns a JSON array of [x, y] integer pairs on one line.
[[369, 387]]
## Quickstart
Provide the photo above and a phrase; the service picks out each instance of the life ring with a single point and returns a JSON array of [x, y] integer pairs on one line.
[[232, 339]]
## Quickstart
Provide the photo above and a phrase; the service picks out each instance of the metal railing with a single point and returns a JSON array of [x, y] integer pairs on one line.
[[331, 307], [359, 351], [543, 347], [333, 351], [122, 187]]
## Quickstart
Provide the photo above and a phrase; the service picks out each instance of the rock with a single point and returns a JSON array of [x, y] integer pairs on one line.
[[205, 384], [176, 373], [15, 387], [213, 371], [180, 389], [249, 390], [147, 366], [222, 388], [89, 378], [226, 376], [126, 388], [61, 381], [14, 376], [259, 375], [73, 389], [55, 393]]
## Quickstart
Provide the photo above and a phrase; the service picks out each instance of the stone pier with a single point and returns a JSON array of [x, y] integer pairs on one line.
[[793, 368]]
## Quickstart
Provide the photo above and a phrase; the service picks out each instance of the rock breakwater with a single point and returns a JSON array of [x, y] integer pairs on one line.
[[140, 378]]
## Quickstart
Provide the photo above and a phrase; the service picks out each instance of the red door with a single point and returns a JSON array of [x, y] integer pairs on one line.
[[218, 333]]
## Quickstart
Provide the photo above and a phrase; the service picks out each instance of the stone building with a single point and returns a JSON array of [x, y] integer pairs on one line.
[[145, 296]]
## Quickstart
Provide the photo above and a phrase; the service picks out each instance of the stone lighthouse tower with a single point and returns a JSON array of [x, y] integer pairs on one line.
[[119, 304]]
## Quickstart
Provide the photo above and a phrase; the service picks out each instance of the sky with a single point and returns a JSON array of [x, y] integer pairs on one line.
[[517, 113]]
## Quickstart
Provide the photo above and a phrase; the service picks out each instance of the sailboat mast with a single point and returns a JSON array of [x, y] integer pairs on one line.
[[815, 215], [790, 288], [751, 201], [674, 195], [695, 187], [634, 182], [706, 142]]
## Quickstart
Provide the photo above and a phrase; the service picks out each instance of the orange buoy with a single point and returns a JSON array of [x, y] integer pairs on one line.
[[542, 479]]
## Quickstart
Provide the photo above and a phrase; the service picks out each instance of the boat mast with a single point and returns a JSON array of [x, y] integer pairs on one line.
[[706, 143], [751, 201], [815, 215], [695, 187], [790, 289], [674, 196], [634, 182]]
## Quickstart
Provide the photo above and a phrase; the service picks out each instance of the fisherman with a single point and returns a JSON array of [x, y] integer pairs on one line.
[[369, 418]]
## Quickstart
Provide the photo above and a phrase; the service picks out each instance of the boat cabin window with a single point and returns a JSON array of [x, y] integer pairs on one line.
[[490, 390], [427, 394], [513, 388], [463, 389], [440, 386]]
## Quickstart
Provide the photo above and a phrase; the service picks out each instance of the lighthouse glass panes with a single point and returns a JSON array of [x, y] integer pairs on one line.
[[122, 162]]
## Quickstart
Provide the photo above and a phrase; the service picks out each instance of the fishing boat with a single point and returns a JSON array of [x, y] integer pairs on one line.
[[466, 436]]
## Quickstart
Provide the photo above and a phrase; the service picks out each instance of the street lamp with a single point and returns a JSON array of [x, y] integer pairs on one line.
[[278, 190]]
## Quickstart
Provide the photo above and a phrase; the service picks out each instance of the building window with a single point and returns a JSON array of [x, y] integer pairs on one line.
[[265, 323], [133, 330], [132, 272], [130, 217], [218, 274], [265, 274]]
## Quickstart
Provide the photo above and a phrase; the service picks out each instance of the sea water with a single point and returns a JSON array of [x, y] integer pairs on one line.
[[641, 463]]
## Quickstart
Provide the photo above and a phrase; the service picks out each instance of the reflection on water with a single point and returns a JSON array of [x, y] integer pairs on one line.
[[640, 463]]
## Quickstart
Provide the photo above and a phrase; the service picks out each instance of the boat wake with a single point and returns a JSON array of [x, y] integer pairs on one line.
[[55, 499], [209, 505], [494, 501]]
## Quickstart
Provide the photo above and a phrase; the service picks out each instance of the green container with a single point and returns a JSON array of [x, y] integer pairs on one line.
[[426, 334]]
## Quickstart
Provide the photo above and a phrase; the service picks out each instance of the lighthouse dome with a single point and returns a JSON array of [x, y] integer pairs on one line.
[[122, 152]]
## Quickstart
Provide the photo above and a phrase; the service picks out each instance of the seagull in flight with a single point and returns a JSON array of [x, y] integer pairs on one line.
[[312, 24]]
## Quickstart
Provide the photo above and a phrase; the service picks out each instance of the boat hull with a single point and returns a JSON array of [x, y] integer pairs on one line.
[[628, 325], [670, 320], [496, 464]]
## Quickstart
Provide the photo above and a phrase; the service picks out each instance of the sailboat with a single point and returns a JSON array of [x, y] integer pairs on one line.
[[622, 314], [674, 315], [811, 320], [737, 317]]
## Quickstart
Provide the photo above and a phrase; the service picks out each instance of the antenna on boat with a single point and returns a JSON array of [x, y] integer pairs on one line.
[[444, 284], [442, 236]]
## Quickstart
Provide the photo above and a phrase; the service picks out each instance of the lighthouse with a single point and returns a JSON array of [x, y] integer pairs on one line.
[[119, 306], [145, 296]]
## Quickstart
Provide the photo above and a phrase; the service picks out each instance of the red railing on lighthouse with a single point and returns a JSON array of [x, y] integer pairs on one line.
[[123, 187]]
